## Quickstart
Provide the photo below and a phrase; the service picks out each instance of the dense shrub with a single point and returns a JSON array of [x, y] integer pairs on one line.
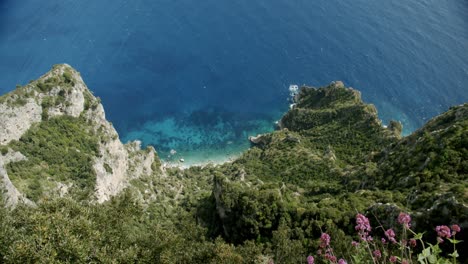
[[59, 149]]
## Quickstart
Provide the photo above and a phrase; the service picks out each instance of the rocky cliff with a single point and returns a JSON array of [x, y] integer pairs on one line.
[[57, 95]]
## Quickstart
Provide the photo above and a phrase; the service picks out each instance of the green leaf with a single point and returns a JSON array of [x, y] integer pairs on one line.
[[436, 250], [454, 241], [426, 252], [454, 254], [432, 259], [421, 259]]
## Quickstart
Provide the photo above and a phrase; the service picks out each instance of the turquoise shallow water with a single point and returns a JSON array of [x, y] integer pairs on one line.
[[199, 76], [202, 136]]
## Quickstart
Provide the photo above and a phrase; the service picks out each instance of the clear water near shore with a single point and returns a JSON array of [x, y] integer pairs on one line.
[[209, 137]]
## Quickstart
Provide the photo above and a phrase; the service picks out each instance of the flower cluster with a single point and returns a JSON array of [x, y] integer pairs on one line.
[[412, 242], [444, 231], [324, 240], [455, 229], [325, 245], [377, 254], [363, 227], [330, 257], [372, 251], [405, 220], [342, 261], [390, 234]]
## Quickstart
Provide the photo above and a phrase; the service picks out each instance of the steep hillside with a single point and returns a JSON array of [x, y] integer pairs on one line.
[[82, 196], [55, 139], [331, 158]]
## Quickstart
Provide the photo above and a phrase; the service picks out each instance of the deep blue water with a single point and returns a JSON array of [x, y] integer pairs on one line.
[[200, 76]]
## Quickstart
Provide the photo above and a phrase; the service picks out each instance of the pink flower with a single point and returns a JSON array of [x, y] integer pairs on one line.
[[310, 260], [377, 254], [362, 223], [330, 257], [455, 229], [325, 240], [384, 241], [404, 219], [363, 227], [390, 234], [393, 259], [354, 243], [412, 242], [342, 261], [440, 240], [443, 231]]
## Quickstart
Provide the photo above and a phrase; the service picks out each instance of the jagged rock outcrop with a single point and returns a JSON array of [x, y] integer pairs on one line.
[[26, 105], [62, 92], [12, 194], [258, 140], [15, 121]]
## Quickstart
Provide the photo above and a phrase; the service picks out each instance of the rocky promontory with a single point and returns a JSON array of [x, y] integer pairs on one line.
[[61, 93]]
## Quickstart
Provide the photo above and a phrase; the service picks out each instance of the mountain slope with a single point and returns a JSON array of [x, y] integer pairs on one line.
[[57, 132]]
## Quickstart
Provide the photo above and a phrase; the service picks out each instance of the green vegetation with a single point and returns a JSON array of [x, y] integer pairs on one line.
[[331, 159], [58, 149], [119, 231], [3, 150], [64, 81], [20, 96], [90, 101]]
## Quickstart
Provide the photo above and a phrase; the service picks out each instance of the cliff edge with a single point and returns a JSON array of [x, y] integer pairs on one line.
[[49, 122]]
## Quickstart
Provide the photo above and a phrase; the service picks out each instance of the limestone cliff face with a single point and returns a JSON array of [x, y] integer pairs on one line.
[[24, 106], [60, 92], [12, 194]]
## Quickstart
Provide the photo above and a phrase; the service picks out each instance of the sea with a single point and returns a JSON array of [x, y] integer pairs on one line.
[[194, 79]]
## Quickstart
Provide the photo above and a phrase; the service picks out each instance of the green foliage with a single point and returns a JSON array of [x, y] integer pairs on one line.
[[331, 159], [45, 86], [249, 214], [285, 249], [429, 167], [64, 81], [67, 77], [90, 101], [108, 168], [18, 97], [59, 149], [3, 150], [118, 231]]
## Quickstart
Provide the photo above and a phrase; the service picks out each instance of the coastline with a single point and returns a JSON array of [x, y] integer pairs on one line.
[[200, 162]]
